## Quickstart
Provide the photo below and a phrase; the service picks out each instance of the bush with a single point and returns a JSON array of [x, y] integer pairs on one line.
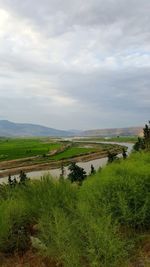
[[101, 242], [77, 174], [122, 190], [60, 235], [14, 227]]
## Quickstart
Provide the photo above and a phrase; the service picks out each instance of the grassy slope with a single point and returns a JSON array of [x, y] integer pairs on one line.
[[101, 224]]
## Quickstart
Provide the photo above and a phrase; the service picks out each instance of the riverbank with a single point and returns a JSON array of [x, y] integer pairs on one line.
[[27, 166]]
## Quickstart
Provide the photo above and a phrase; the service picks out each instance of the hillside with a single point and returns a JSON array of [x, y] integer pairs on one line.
[[103, 223], [11, 129], [130, 131]]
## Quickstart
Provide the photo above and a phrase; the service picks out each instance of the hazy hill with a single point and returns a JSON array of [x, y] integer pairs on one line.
[[130, 131], [8, 128]]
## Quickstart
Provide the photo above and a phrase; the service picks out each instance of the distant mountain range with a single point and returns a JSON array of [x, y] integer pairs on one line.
[[130, 131], [11, 129], [8, 128]]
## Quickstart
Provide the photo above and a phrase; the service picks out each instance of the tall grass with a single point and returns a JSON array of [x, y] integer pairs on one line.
[[122, 190], [85, 226]]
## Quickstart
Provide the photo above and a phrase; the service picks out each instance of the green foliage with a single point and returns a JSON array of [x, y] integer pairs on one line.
[[62, 168], [144, 143], [92, 170], [124, 153], [14, 232], [12, 182], [80, 226], [61, 239], [101, 242], [146, 132], [123, 190], [23, 177], [139, 145], [77, 174], [112, 157]]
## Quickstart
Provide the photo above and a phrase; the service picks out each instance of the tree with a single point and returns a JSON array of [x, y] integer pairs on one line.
[[140, 144], [23, 177], [146, 132], [144, 143], [10, 181], [124, 153], [77, 174], [112, 157], [14, 181], [62, 171], [92, 170]]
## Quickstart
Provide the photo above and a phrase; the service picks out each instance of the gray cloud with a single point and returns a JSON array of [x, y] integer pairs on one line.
[[67, 64]]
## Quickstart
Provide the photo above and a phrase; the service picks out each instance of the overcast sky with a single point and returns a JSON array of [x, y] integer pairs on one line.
[[75, 63]]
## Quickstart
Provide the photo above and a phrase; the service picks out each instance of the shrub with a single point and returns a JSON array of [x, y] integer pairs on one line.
[[77, 174], [80, 226], [122, 190], [60, 235], [14, 226]]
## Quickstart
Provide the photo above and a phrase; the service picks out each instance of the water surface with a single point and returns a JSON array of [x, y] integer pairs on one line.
[[97, 163]]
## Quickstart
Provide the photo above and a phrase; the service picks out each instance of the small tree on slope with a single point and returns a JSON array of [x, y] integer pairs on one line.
[[77, 174]]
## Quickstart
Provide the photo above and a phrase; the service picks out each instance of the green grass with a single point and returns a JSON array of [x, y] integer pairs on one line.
[[98, 224], [124, 188], [80, 149], [72, 152], [21, 148]]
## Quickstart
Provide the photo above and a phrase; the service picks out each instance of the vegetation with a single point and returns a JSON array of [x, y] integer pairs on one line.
[[19, 148], [47, 153], [92, 170], [112, 157], [99, 224], [77, 174], [22, 148], [72, 152], [102, 223], [144, 143], [124, 153]]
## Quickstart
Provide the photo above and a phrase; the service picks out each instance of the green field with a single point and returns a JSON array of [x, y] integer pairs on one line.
[[72, 152], [80, 149], [19, 148], [23, 148]]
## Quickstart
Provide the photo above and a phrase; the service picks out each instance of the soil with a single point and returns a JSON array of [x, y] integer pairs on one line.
[[29, 259]]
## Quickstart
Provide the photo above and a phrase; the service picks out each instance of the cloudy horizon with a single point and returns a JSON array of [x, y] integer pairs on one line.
[[75, 64]]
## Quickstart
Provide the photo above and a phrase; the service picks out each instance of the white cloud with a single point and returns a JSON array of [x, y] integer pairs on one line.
[[86, 63]]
